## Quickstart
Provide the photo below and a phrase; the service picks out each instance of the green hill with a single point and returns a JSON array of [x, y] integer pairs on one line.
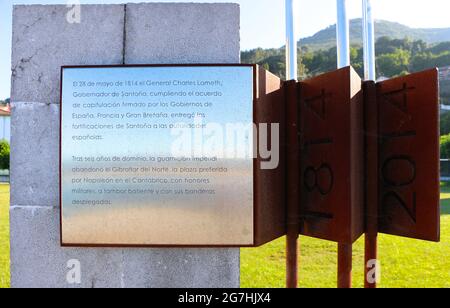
[[326, 38]]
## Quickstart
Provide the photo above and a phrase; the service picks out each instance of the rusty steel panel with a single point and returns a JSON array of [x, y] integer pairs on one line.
[[371, 173], [408, 109], [269, 184], [332, 144]]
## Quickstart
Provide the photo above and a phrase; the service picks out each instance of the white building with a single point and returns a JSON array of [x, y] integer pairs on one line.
[[5, 123], [444, 73]]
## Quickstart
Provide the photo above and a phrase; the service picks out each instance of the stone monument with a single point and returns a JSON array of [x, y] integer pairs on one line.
[[46, 37]]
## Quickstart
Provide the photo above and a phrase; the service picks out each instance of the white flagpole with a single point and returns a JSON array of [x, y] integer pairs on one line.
[[291, 41], [369, 41], [343, 34]]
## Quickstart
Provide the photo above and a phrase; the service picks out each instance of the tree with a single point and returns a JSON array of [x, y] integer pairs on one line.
[[357, 59], [428, 60], [445, 123], [445, 146], [395, 57], [6, 101], [320, 61], [418, 47], [394, 64], [440, 48], [4, 155], [386, 45]]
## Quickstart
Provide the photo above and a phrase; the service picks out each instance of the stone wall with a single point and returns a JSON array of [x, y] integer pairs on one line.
[[43, 41]]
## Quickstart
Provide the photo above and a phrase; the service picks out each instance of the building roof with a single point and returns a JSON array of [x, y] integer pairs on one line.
[[5, 111]]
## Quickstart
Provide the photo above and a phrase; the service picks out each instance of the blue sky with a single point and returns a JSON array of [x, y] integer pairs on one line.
[[262, 21]]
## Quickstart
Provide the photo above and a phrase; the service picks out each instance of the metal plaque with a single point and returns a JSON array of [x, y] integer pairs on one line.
[[408, 109], [157, 156], [332, 172]]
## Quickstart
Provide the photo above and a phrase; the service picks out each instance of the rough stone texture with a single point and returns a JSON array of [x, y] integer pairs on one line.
[[182, 268], [43, 41], [182, 33], [35, 154], [37, 260]]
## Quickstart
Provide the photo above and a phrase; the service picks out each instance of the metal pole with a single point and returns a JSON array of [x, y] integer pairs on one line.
[[292, 107], [343, 34], [291, 41], [293, 177], [343, 60], [369, 41], [345, 266], [372, 174], [371, 237]]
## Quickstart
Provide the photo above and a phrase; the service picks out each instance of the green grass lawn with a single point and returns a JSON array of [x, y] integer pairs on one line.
[[4, 236], [405, 263]]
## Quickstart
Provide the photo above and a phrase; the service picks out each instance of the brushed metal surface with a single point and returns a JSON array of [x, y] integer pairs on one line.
[[119, 185]]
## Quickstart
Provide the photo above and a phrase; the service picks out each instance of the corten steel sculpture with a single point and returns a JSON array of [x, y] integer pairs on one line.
[[362, 146], [369, 154]]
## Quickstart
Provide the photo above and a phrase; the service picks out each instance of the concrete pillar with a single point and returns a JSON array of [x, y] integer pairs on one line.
[[43, 41]]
